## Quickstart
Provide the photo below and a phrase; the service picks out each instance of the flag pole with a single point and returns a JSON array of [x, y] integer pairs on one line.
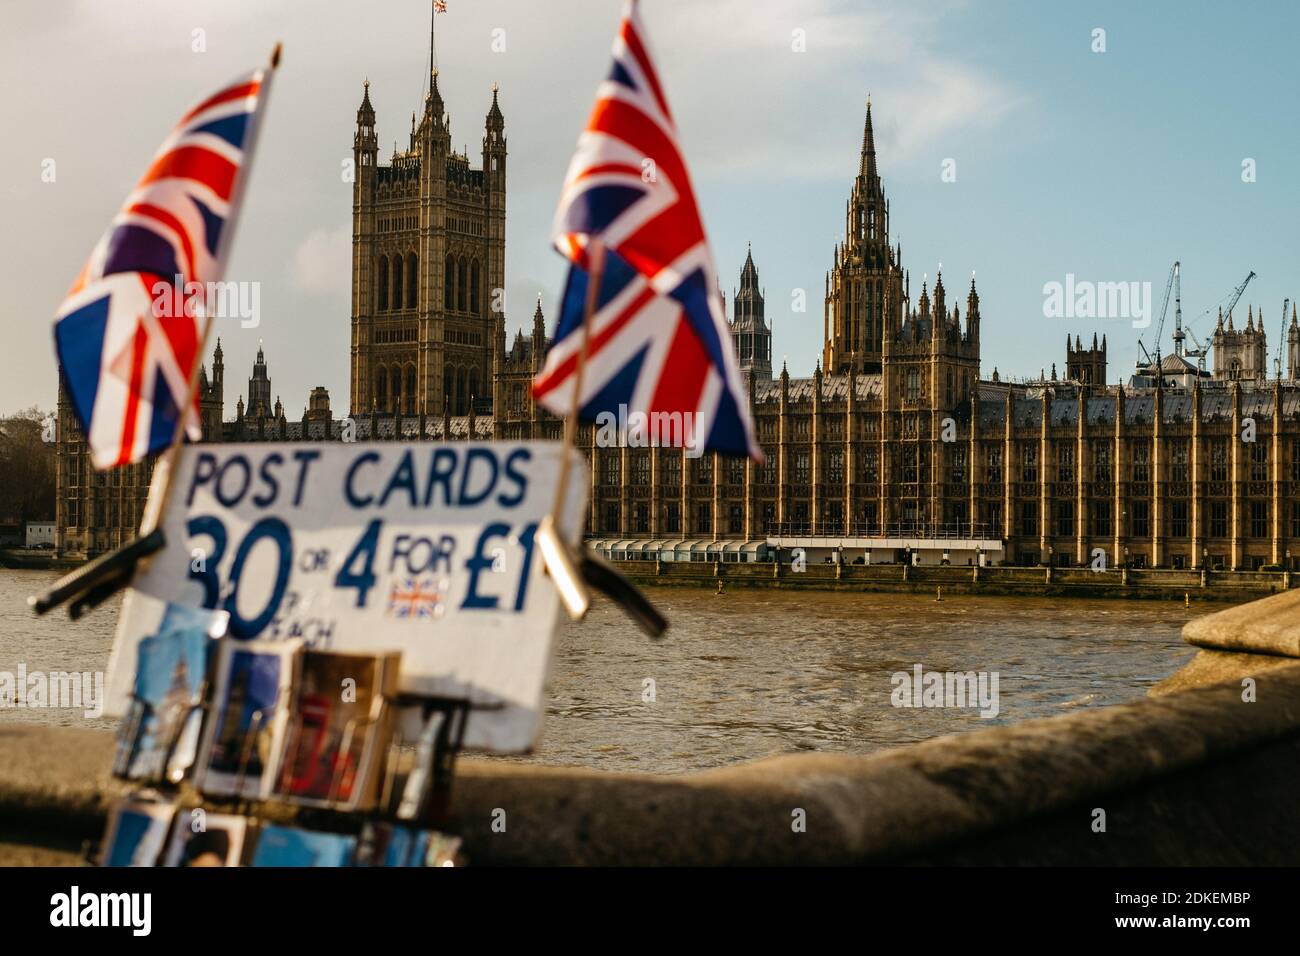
[[97, 580], [550, 536]]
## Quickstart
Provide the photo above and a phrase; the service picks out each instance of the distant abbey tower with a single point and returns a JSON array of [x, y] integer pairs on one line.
[[428, 265], [1241, 355]]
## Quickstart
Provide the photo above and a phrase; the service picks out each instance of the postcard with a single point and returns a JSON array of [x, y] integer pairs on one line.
[[206, 839], [289, 846], [245, 733], [339, 728], [137, 832], [389, 844], [159, 737]]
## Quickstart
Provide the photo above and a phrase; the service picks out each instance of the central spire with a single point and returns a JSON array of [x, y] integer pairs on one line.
[[868, 164]]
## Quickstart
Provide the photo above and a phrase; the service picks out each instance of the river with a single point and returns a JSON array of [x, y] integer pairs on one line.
[[747, 674]]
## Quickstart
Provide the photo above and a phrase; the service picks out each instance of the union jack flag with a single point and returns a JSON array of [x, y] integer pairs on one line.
[[439, 6], [659, 341], [130, 331], [410, 598]]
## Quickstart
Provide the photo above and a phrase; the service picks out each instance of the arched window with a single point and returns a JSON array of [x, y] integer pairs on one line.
[[449, 285], [462, 281], [460, 392], [412, 282], [397, 281], [448, 386], [382, 274], [395, 376], [473, 385], [410, 390], [473, 287], [381, 388]]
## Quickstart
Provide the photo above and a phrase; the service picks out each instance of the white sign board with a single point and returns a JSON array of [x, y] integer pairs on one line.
[[422, 548]]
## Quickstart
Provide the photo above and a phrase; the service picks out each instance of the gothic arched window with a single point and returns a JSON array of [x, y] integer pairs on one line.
[[410, 390], [397, 281], [462, 280], [474, 287], [472, 391], [449, 284], [381, 388], [382, 274], [412, 282]]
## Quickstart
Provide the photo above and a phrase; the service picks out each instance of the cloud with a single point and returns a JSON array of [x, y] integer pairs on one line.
[[764, 87], [322, 263]]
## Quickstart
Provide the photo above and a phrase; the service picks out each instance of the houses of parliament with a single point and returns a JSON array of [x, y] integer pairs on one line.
[[895, 435]]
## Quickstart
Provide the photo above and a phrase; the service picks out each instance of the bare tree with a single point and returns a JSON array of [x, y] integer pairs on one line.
[[27, 469]]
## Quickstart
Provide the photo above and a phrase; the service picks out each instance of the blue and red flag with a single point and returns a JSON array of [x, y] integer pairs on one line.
[[130, 332], [659, 343]]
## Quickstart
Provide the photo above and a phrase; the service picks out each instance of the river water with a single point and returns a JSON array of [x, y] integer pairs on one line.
[[747, 674]]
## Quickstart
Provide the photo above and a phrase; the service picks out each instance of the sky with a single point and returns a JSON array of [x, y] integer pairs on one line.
[[1069, 160]]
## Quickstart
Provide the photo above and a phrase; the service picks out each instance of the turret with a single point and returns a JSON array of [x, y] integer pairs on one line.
[[973, 312]]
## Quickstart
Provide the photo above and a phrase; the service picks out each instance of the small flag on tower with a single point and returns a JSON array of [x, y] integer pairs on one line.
[[658, 342], [439, 6], [130, 332]]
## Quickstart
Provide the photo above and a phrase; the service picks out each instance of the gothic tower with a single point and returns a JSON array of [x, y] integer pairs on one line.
[[750, 333], [1293, 347], [1241, 355], [1087, 366], [259, 389], [428, 265], [864, 289], [212, 395]]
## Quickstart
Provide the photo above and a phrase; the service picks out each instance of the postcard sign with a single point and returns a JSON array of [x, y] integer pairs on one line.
[[427, 549]]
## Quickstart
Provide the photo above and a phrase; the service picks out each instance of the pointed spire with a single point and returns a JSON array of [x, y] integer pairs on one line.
[[434, 102], [495, 120], [868, 163], [366, 109]]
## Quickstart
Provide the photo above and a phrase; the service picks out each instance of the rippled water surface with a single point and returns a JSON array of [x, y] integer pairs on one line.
[[751, 673]]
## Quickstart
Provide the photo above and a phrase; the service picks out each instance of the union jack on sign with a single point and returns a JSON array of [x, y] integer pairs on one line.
[[129, 332], [659, 342], [412, 598]]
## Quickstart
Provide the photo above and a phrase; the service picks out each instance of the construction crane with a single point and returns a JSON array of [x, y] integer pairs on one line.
[[1171, 283], [1281, 337], [1199, 351]]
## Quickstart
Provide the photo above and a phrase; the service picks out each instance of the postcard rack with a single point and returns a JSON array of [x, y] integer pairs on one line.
[[409, 780]]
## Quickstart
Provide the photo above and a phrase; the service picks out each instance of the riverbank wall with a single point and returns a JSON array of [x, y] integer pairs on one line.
[[1201, 772], [1157, 583]]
